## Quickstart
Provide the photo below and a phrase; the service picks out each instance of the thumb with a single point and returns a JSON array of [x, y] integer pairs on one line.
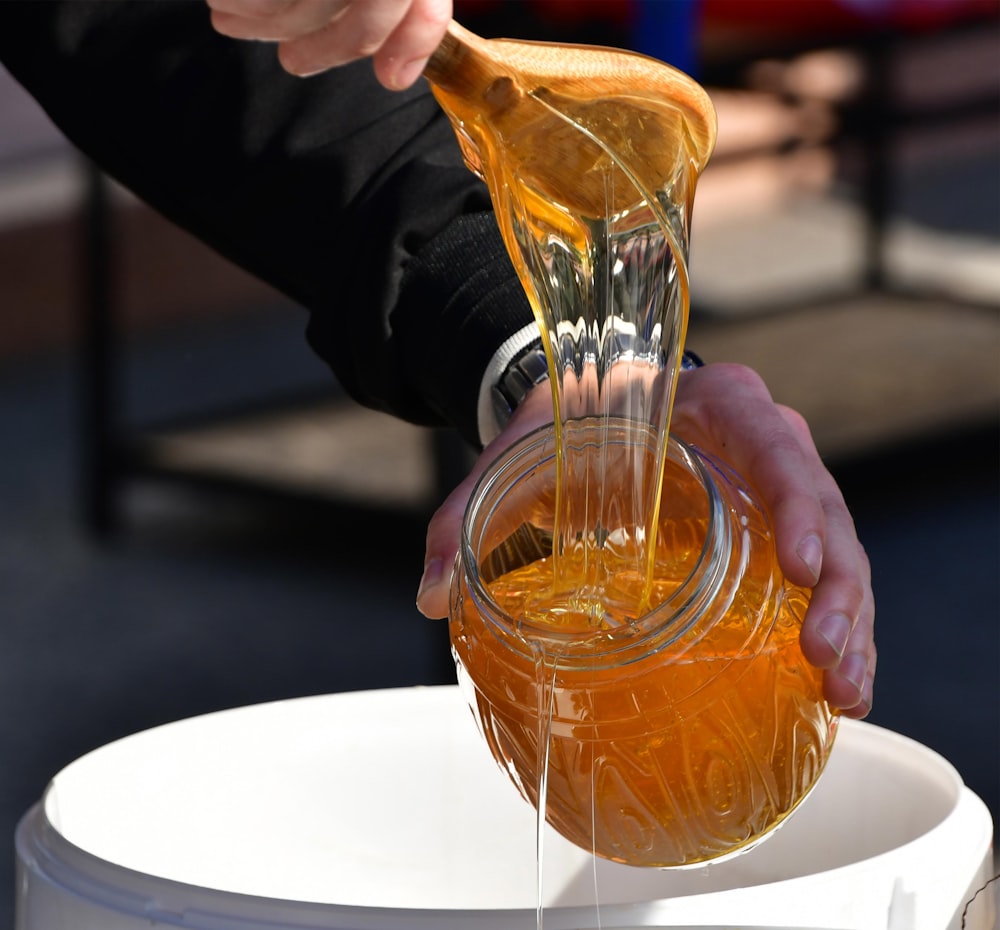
[[444, 533]]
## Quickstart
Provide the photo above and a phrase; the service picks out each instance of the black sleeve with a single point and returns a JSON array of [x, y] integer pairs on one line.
[[349, 198]]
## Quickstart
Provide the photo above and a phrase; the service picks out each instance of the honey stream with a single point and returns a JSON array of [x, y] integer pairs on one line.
[[591, 156]]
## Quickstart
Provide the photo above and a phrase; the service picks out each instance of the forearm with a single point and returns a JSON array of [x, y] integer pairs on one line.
[[348, 198]]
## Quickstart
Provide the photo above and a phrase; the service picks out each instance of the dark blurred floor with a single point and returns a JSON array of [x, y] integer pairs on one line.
[[209, 598]]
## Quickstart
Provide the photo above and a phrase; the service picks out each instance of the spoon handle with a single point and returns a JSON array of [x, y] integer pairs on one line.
[[448, 55], [462, 63]]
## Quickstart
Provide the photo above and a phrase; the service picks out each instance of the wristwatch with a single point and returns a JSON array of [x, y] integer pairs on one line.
[[528, 368]]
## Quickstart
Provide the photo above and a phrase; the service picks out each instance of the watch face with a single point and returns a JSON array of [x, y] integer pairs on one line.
[[691, 360]]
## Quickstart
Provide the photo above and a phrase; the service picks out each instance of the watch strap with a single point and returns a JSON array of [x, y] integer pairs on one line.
[[528, 368], [525, 370]]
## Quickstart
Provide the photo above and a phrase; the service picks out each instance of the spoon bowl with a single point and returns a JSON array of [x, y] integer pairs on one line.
[[556, 112]]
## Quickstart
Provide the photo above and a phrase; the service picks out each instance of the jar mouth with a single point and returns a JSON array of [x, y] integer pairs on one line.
[[508, 524]]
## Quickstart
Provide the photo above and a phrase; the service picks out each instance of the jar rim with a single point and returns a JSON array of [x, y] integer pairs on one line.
[[665, 621]]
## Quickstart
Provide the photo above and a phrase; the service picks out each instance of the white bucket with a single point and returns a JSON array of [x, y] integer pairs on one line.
[[383, 809]]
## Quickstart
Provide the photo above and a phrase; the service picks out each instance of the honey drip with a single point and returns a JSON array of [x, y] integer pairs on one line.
[[656, 743], [652, 751], [591, 157]]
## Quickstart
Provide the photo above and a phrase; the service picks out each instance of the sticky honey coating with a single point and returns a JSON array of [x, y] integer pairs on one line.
[[666, 751], [591, 156], [658, 750]]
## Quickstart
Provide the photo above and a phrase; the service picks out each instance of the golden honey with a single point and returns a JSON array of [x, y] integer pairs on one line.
[[678, 735], [619, 621]]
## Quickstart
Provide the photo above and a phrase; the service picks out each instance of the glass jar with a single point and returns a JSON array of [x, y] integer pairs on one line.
[[680, 735]]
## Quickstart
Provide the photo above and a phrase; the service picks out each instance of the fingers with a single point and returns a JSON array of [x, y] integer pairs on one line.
[[272, 20], [848, 681], [445, 528], [804, 498], [314, 35], [444, 532], [358, 30], [727, 410], [403, 56], [251, 9], [838, 629]]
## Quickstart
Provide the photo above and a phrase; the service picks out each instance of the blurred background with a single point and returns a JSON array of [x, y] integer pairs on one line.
[[193, 517]]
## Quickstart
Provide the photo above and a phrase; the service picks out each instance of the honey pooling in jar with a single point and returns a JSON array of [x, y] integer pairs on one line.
[[591, 156]]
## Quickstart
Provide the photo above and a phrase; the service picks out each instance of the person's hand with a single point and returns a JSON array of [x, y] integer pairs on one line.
[[727, 411], [315, 35]]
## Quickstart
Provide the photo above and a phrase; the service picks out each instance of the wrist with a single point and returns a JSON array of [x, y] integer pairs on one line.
[[515, 368]]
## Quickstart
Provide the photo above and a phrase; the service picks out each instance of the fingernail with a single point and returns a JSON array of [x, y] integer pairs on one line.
[[433, 573], [811, 552], [867, 697], [407, 73], [854, 669], [836, 629]]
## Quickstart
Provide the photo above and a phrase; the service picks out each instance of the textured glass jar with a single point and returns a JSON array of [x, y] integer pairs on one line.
[[682, 735]]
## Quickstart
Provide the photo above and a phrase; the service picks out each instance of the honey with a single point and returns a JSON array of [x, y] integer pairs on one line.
[[619, 621], [591, 157], [677, 736]]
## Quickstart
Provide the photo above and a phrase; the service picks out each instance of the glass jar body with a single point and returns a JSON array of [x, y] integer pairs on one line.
[[684, 736]]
